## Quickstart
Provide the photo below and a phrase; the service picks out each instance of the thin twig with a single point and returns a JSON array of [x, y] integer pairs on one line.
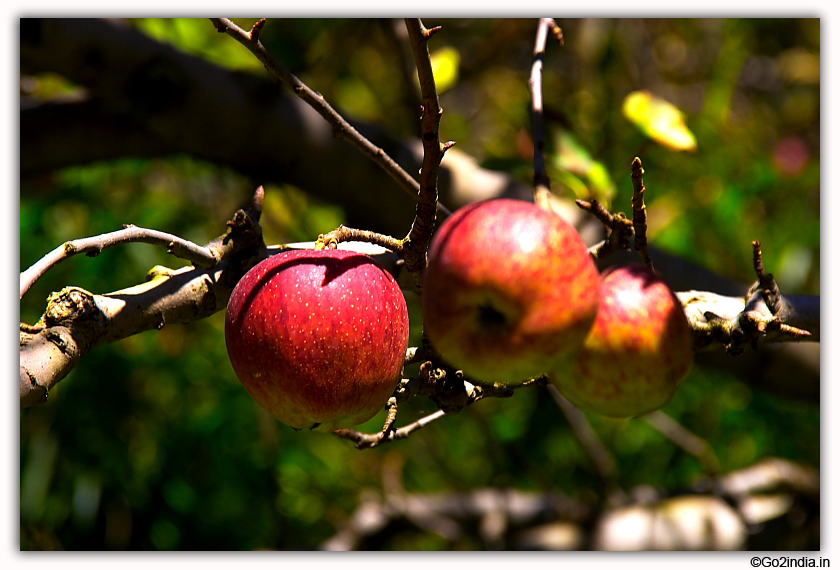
[[602, 459], [92, 246], [397, 36], [690, 443], [618, 228], [390, 419], [341, 128], [343, 234], [766, 282], [416, 243], [446, 387], [542, 183], [640, 212], [364, 440]]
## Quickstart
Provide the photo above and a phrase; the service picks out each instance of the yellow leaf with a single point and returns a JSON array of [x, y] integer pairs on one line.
[[445, 62], [659, 119]]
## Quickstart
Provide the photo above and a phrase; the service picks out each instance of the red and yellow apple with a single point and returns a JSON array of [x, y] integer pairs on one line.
[[510, 289], [318, 338], [636, 354]]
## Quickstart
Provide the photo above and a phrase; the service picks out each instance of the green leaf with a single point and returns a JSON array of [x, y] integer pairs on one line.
[[584, 176], [659, 119]]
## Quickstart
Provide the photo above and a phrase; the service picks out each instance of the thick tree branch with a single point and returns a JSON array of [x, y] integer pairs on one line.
[[737, 322], [76, 321]]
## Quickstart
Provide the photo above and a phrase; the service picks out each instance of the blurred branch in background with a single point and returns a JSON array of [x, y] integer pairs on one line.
[[773, 505]]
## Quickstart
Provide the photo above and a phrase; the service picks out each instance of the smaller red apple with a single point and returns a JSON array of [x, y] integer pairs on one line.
[[318, 338], [638, 351]]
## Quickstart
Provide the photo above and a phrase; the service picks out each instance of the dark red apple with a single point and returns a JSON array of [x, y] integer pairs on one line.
[[510, 288], [639, 350], [318, 338]]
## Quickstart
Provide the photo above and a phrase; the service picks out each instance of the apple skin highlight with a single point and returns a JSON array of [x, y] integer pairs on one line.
[[318, 338]]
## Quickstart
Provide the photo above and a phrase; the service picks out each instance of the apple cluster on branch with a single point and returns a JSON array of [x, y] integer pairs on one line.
[[511, 298]]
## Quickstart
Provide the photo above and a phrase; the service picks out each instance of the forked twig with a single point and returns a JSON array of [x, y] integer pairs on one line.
[[92, 246], [365, 441], [618, 228]]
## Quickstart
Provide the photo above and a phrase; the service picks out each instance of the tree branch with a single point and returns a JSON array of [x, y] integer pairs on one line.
[[342, 234], [603, 460], [690, 443], [365, 441], [553, 521], [640, 213], [341, 128], [75, 321], [291, 146], [542, 183], [736, 323], [93, 246], [416, 243]]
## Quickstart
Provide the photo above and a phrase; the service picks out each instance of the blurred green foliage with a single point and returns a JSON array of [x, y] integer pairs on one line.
[[151, 443]]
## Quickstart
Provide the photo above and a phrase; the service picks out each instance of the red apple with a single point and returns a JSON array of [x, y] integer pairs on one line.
[[318, 338], [510, 288], [639, 350]]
